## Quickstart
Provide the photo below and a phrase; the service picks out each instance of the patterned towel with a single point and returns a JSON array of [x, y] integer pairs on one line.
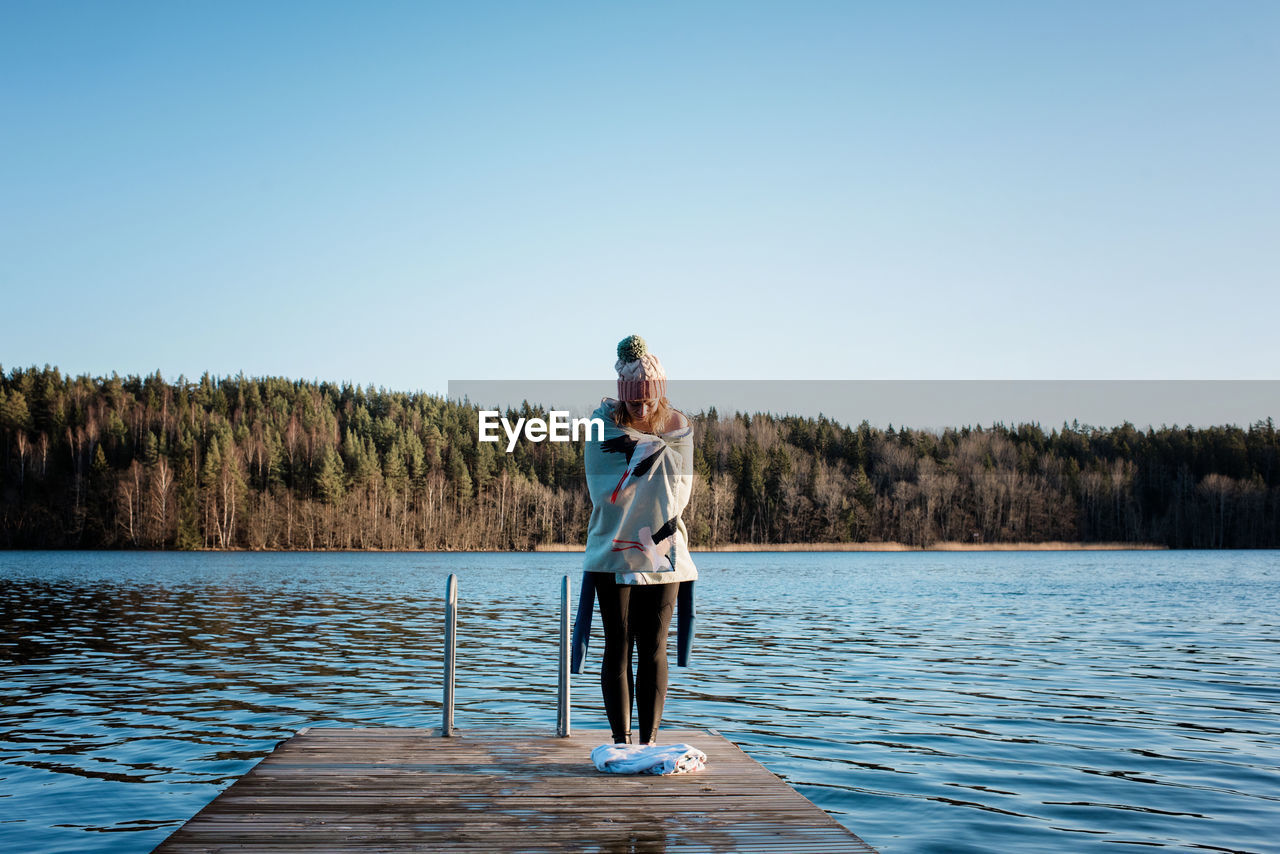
[[639, 485], [648, 759]]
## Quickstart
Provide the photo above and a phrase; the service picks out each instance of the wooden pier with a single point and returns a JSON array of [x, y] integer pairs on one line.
[[404, 789]]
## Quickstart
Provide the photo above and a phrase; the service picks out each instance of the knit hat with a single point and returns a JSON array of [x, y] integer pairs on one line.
[[640, 373]]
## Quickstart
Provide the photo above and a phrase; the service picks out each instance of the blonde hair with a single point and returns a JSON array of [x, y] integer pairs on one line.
[[622, 416]]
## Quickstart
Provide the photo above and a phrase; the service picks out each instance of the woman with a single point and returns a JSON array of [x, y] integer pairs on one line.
[[640, 477]]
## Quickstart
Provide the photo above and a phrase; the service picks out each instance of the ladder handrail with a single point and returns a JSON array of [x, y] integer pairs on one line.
[[562, 695], [563, 729], [450, 651]]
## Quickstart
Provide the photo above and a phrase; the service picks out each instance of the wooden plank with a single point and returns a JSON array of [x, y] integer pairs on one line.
[[402, 789]]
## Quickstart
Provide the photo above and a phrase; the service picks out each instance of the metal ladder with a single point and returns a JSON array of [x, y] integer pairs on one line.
[[451, 654]]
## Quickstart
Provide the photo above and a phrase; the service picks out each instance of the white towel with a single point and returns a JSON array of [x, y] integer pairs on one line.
[[648, 759]]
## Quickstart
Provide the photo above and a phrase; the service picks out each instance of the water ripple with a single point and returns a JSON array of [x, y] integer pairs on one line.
[[961, 702]]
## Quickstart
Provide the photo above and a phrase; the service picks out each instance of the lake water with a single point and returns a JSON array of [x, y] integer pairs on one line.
[[949, 702]]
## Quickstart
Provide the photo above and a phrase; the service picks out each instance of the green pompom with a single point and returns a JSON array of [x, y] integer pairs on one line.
[[631, 348]]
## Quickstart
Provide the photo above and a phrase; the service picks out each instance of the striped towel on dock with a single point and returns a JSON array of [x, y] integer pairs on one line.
[[648, 759]]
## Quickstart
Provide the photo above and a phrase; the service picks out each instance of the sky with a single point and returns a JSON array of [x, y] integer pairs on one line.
[[404, 194]]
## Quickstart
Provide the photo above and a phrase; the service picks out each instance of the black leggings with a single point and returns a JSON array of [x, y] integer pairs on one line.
[[640, 616]]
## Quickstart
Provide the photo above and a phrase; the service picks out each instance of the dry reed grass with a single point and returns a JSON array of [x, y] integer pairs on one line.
[[1056, 546]]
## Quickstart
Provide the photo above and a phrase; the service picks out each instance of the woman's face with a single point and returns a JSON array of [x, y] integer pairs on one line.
[[642, 410]]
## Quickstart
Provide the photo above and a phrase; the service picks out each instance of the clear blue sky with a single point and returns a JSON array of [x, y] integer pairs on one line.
[[408, 193]]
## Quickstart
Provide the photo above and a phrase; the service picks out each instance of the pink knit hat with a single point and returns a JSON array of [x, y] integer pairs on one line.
[[640, 373]]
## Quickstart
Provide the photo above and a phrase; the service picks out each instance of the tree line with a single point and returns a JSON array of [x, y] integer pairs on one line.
[[273, 463]]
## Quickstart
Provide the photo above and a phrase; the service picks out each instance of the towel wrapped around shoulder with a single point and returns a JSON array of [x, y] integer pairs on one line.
[[639, 484]]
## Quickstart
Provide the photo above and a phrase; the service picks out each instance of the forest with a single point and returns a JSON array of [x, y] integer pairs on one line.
[[273, 463]]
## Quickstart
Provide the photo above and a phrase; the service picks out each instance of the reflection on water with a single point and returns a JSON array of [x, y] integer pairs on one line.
[[931, 702]]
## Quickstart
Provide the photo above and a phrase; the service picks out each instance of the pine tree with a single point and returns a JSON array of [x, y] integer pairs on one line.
[[188, 504], [331, 478]]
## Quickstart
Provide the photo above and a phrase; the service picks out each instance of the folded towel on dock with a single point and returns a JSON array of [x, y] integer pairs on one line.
[[648, 759]]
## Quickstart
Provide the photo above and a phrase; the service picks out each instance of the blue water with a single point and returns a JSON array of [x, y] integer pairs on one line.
[[1044, 701]]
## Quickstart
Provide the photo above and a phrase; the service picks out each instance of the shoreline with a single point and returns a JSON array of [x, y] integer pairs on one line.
[[1053, 546]]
